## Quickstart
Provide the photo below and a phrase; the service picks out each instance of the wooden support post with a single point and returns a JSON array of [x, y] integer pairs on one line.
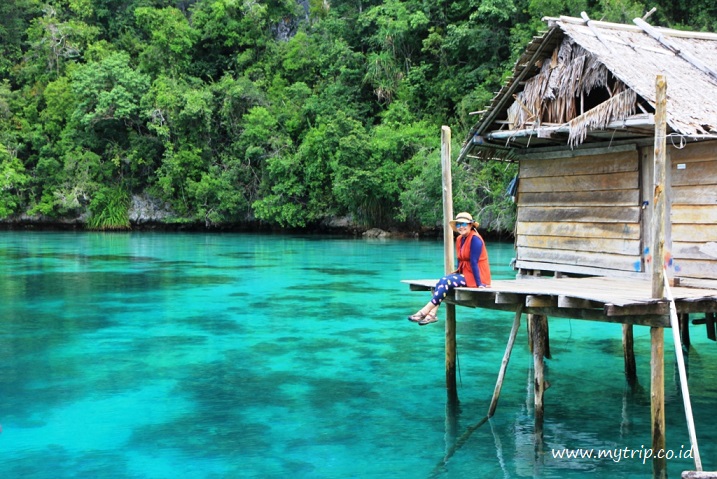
[[710, 325], [685, 330], [451, 352], [658, 201], [448, 260], [657, 336], [538, 339], [657, 400], [628, 342], [506, 358]]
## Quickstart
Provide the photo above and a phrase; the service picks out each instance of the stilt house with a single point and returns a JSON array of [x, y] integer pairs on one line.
[[578, 115], [603, 147]]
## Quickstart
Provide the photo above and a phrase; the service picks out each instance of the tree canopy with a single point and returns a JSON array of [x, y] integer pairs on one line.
[[281, 111]]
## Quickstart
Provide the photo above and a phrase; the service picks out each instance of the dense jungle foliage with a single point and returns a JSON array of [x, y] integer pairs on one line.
[[280, 111]]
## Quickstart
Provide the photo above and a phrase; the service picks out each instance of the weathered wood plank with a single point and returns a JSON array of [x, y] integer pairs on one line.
[[694, 173], [613, 162], [601, 260], [693, 214], [595, 149], [461, 294], [689, 233], [630, 231], [691, 268], [703, 251], [582, 198], [605, 214], [579, 269], [701, 151], [599, 245], [609, 181], [694, 195], [613, 290]]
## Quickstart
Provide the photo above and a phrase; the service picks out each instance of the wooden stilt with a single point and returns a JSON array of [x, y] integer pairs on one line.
[[448, 259], [710, 324], [657, 400], [451, 423], [628, 342], [538, 340], [506, 358], [451, 386], [546, 337], [684, 320]]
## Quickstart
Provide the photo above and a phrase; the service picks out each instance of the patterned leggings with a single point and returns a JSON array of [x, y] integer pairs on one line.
[[445, 285]]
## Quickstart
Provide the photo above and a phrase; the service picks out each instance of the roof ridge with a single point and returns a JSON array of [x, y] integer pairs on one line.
[[670, 32]]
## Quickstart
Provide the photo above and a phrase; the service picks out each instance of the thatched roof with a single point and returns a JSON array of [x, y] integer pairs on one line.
[[586, 81]]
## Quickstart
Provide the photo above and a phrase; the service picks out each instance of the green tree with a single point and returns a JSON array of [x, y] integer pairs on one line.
[[171, 40], [12, 181]]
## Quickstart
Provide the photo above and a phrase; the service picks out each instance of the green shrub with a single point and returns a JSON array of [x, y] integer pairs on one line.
[[109, 210]]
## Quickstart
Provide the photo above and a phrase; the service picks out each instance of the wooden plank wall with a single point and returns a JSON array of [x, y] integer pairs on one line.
[[580, 214], [694, 210]]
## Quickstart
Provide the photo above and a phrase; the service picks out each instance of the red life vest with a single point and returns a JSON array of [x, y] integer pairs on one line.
[[464, 260]]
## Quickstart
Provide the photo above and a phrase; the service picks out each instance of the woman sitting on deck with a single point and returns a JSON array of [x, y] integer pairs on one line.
[[473, 268]]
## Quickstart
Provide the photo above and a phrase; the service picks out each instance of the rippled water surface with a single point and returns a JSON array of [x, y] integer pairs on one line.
[[210, 356]]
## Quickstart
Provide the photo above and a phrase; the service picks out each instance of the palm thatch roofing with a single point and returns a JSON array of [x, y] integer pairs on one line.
[[585, 81]]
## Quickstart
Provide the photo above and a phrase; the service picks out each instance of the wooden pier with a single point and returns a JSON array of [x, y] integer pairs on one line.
[[627, 301], [613, 300]]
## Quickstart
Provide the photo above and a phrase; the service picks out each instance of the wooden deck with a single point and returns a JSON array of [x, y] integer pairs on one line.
[[615, 300]]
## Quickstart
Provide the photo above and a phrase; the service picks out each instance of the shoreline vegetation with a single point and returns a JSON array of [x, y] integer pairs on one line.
[[331, 227], [278, 114]]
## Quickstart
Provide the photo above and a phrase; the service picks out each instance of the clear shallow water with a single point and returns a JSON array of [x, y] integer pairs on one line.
[[247, 356]]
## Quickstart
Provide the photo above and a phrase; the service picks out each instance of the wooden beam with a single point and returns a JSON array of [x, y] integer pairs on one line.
[[634, 28], [596, 32], [541, 301], [578, 303], [506, 358], [508, 298], [595, 315], [661, 308]]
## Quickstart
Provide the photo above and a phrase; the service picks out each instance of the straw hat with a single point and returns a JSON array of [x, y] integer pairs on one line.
[[463, 218]]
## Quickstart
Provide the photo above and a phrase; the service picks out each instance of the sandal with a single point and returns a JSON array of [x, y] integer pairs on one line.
[[417, 317], [430, 318]]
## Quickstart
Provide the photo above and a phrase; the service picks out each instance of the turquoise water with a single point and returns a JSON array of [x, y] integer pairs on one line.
[[210, 356]]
